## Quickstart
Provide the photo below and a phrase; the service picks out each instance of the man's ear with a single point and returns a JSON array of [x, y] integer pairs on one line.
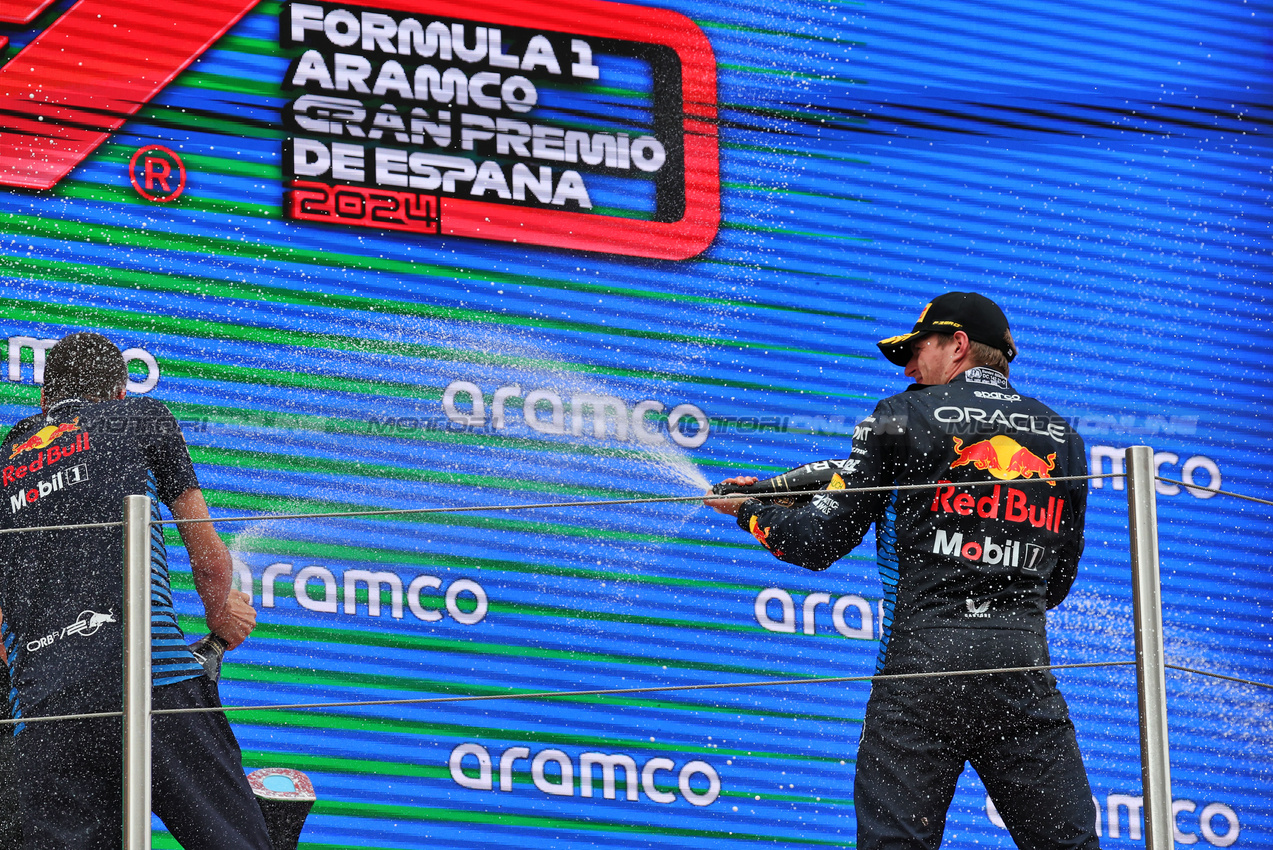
[[962, 343]]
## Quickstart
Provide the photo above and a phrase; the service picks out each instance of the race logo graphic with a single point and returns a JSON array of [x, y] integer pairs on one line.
[[63, 95], [488, 120], [87, 624], [42, 438], [1004, 458], [986, 375]]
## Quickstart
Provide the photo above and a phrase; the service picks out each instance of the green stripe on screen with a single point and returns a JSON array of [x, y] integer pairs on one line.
[[344, 719], [390, 812], [55, 228], [244, 459], [237, 500], [212, 414]]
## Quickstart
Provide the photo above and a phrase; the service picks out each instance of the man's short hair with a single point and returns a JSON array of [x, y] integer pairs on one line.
[[991, 357], [981, 354], [84, 365]]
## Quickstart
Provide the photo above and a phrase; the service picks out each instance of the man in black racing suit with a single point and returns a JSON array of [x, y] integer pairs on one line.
[[968, 570]]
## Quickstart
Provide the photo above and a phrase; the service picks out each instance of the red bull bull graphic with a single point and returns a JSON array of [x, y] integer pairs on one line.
[[761, 534], [1004, 458], [44, 436], [46, 454]]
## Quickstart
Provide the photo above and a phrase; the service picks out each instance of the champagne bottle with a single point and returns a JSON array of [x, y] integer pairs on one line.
[[208, 651], [819, 475]]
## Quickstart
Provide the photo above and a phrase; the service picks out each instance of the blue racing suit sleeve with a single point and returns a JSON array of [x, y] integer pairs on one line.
[[1067, 564]]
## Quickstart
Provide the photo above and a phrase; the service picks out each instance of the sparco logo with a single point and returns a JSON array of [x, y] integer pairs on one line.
[[65, 478], [1009, 553]]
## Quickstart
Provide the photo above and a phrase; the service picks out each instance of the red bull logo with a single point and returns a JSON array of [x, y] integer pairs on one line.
[[1012, 506], [1004, 458], [761, 534], [45, 454], [42, 438]]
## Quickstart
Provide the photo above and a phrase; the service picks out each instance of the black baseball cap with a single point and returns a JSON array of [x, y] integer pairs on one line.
[[975, 315]]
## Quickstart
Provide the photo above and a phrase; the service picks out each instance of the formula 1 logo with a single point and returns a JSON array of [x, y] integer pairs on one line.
[[64, 95]]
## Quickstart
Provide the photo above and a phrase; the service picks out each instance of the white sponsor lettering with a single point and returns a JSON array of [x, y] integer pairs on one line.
[[1163, 461], [39, 348], [463, 600], [597, 415], [977, 609], [1127, 808], [1009, 553], [87, 624], [865, 630], [472, 766], [989, 421], [63, 479]]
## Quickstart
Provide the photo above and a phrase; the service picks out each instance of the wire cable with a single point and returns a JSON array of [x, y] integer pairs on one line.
[[639, 501], [827, 680], [1213, 490], [1218, 676], [541, 505]]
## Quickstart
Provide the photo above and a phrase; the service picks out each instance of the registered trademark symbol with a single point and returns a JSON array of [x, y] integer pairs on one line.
[[158, 174]]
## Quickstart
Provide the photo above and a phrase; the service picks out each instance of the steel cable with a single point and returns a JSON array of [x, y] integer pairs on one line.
[[824, 680]]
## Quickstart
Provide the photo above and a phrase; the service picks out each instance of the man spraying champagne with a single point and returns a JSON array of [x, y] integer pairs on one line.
[[61, 594], [969, 566]]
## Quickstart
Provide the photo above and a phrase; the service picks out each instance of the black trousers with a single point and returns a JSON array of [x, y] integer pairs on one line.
[[70, 774], [1013, 728]]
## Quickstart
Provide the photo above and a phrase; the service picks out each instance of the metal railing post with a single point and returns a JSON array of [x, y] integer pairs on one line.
[[1151, 682], [136, 673]]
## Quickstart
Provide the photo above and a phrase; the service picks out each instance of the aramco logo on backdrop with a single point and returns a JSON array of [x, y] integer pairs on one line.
[[598, 415], [553, 771], [321, 590]]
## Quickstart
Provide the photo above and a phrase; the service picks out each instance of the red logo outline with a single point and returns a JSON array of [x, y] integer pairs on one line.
[[582, 231], [55, 110], [181, 169]]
